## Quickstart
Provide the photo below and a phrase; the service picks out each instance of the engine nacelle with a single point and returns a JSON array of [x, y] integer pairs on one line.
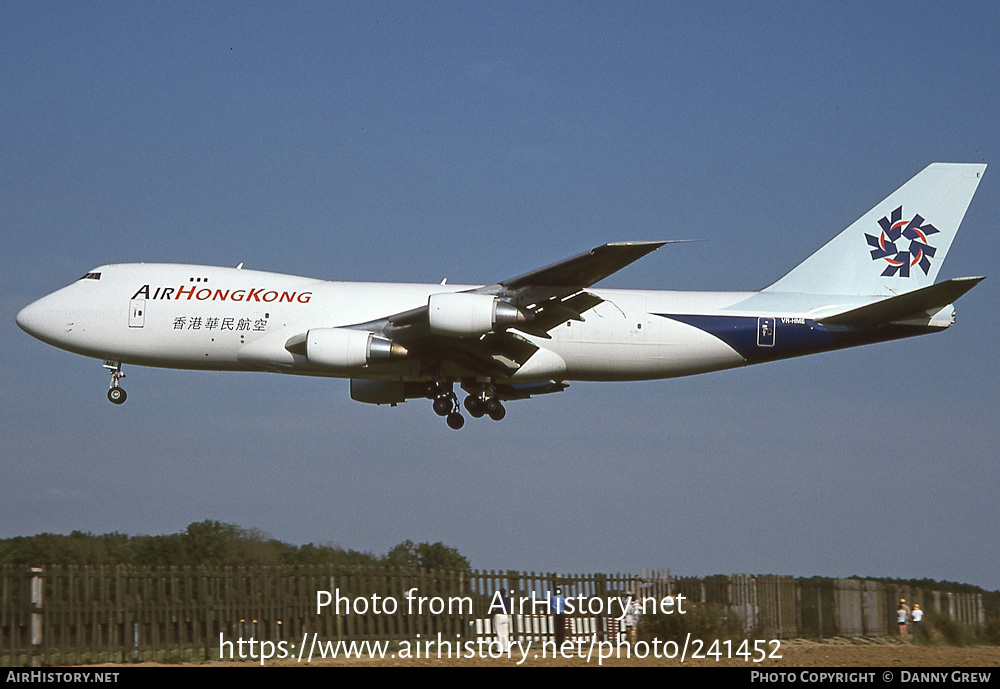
[[347, 348], [460, 314]]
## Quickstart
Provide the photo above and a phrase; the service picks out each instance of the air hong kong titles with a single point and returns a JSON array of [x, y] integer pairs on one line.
[[199, 293]]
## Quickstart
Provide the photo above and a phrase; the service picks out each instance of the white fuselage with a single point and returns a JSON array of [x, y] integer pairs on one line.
[[526, 335], [213, 318]]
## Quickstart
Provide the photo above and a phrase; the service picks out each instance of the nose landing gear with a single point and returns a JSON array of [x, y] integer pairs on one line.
[[116, 393]]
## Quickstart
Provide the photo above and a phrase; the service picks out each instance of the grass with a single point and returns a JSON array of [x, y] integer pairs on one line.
[[701, 621], [941, 630]]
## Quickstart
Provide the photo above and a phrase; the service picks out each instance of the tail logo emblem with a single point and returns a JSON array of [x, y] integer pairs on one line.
[[911, 238]]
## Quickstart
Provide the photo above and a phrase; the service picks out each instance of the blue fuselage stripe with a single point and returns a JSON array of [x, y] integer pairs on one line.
[[759, 339]]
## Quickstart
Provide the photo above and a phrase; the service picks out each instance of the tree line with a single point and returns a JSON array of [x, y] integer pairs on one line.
[[212, 543], [215, 543]]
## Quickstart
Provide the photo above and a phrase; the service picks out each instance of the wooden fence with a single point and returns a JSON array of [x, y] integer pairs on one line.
[[786, 607], [68, 614]]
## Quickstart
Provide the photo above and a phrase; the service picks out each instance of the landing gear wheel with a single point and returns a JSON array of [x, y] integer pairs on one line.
[[116, 394], [443, 405], [497, 413], [475, 407], [456, 420]]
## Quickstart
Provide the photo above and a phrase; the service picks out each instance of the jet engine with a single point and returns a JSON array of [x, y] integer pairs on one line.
[[347, 348], [460, 314]]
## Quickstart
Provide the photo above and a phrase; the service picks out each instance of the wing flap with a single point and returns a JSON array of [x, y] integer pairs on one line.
[[497, 355], [554, 312]]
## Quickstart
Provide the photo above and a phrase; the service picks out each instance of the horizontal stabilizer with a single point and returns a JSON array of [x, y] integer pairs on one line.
[[917, 304]]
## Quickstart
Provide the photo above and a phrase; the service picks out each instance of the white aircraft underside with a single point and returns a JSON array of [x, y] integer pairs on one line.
[[527, 335]]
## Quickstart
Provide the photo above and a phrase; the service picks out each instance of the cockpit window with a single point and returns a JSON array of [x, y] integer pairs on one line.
[[91, 276]]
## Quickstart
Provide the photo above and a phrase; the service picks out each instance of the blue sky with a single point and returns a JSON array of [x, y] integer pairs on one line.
[[476, 141]]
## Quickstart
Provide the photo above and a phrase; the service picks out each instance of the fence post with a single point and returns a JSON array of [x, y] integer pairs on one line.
[[37, 591]]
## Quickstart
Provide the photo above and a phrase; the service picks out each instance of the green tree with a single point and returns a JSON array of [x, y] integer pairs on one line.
[[439, 556], [213, 543], [403, 555], [426, 555]]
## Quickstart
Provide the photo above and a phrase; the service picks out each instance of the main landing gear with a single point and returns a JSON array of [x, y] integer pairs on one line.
[[116, 393], [445, 404], [478, 404]]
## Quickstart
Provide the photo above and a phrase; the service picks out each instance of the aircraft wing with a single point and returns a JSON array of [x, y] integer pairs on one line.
[[549, 296], [571, 274], [544, 299]]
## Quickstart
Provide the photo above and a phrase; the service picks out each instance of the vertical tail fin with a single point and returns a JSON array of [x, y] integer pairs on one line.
[[896, 247]]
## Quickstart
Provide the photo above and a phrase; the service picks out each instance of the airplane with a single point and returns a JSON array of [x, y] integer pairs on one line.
[[528, 335]]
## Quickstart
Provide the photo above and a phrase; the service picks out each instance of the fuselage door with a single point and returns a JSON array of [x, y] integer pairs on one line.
[[765, 332], [136, 313]]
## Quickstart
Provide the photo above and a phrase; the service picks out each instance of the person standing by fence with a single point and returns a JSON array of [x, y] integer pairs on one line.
[[500, 609], [558, 605], [901, 617], [631, 619]]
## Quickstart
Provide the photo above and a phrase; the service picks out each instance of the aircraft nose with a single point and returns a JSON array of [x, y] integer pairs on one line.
[[41, 319], [28, 318]]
